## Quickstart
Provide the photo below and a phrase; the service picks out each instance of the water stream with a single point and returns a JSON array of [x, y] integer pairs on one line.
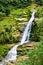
[[12, 54]]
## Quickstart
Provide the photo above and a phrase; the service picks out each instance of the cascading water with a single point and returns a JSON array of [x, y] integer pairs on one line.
[[27, 30], [12, 54]]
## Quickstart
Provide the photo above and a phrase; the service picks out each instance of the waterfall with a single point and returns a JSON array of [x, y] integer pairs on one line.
[[27, 30], [12, 54]]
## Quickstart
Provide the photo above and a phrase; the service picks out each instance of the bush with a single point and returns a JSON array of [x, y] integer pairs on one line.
[[7, 11], [39, 2], [39, 12], [37, 30], [34, 36], [40, 26], [7, 34]]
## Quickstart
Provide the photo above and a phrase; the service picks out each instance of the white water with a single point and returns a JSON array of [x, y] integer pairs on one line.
[[27, 30], [12, 54]]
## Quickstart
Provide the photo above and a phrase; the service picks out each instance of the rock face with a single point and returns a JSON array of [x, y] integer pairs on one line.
[[20, 19], [26, 47], [22, 25], [1, 58]]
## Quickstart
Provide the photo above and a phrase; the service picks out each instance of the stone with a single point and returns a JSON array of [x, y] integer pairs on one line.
[[1, 58]]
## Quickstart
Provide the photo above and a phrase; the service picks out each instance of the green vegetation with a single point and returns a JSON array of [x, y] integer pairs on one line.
[[7, 34], [35, 56], [39, 2], [13, 15], [4, 49]]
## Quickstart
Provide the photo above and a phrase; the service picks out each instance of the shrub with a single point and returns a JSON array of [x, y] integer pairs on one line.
[[39, 2], [7, 11], [34, 36], [7, 34], [39, 12], [37, 30]]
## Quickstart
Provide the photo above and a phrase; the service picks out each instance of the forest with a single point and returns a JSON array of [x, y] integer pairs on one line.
[[14, 16]]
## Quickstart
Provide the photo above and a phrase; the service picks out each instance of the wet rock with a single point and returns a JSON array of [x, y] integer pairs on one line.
[[22, 25]]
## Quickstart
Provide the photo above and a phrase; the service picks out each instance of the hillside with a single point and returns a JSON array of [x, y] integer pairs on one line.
[[14, 16]]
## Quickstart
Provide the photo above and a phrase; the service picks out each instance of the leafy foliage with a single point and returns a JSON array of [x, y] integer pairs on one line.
[[35, 56], [39, 12], [7, 34], [34, 36], [39, 2], [19, 9]]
